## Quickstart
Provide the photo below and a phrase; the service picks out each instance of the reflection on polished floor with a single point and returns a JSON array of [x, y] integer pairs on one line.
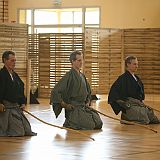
[[115, 141]]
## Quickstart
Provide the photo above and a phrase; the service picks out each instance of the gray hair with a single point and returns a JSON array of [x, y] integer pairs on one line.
[[73, 55], [129, 59], [5, 55]]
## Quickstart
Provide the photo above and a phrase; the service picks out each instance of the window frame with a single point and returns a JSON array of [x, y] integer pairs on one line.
[[59, 26]]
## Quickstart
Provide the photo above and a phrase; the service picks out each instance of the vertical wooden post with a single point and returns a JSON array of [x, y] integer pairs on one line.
[[122, 51], [3, 14], [28, 80]]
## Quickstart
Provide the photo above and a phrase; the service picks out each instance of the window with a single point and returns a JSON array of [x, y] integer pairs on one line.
[[45, 17], [92, 16], [25, 16], [67, 20]]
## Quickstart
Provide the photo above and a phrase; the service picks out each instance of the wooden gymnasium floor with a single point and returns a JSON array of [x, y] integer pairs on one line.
[[115, 141]]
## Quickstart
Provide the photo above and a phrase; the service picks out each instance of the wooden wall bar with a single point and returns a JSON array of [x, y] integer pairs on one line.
[[145, 44], [3, 11], [51, 54], [102, 58], [105, 50], [44, 64], [33, 54], [15, 37]]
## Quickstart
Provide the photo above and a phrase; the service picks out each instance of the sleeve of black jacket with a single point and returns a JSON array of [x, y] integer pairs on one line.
[[116, 93]]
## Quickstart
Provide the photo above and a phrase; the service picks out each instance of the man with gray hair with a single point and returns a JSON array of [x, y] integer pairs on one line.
[[127, 95], [12, 100], [73, 93]]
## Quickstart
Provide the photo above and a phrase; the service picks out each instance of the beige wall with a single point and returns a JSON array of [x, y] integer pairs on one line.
[[114, 13]]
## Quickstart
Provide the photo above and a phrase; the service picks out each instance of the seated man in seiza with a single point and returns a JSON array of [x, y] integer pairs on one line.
[[13, 122], [127, 95], [73, 93]]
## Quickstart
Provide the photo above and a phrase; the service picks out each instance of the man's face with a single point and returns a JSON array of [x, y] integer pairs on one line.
[[10, 62], [132, 67], [77, 64]]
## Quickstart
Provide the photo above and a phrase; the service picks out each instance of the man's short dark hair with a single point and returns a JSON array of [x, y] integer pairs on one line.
[[129, 59], [6, 54], [73, 55]]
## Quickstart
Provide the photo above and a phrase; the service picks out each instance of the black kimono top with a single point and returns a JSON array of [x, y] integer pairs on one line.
[[11, 90], [125, 86]]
